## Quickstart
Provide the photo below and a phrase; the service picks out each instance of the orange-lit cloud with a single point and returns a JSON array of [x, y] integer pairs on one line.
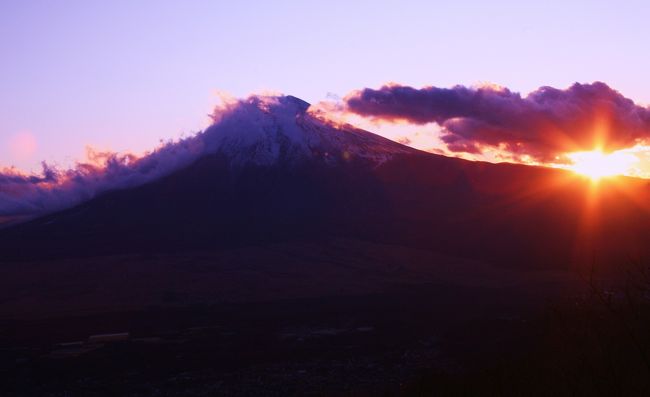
[[25, 195]]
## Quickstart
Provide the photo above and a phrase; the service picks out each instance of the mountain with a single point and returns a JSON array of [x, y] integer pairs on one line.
[[269, 170]]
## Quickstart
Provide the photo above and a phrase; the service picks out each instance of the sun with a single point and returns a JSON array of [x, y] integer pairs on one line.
[[596, 164]]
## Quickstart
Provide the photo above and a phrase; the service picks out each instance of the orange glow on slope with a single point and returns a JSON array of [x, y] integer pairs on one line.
[[596, 164]]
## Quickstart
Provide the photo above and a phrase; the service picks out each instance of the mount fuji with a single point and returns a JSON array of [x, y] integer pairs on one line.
[[271, 170]]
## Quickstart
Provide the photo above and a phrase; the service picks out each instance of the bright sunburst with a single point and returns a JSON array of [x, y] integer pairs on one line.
[[596, 164]]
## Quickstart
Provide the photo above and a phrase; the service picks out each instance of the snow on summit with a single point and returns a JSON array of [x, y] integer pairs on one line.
[[264, 130]]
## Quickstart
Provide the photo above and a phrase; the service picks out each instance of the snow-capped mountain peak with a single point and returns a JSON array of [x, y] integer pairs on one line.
[[265, 130]]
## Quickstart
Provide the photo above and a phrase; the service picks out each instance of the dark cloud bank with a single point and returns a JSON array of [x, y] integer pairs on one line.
[[544, 125]]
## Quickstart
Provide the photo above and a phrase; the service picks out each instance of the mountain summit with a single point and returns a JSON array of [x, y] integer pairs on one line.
[[265, 130]]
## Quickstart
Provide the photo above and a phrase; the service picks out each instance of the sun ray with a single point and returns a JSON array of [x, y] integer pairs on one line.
[[597, 164]]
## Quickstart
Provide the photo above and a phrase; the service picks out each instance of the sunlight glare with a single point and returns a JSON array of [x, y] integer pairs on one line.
[[596, 164]]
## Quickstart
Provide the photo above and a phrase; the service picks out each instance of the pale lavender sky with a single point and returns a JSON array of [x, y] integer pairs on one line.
[[121, 75]]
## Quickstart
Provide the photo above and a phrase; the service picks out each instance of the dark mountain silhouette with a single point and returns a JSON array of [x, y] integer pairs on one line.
[[270, 171]]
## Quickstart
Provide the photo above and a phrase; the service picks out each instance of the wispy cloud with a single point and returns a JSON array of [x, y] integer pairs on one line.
[[23, 196]]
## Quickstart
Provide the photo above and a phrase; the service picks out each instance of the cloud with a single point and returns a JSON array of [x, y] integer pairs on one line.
[[404, 140], [544, 126], [24, 196]]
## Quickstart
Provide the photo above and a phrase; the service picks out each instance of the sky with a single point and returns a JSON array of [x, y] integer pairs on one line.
[[124, 75]]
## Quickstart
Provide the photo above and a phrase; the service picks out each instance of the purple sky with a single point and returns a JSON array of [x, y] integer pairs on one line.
[[122, 75]]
